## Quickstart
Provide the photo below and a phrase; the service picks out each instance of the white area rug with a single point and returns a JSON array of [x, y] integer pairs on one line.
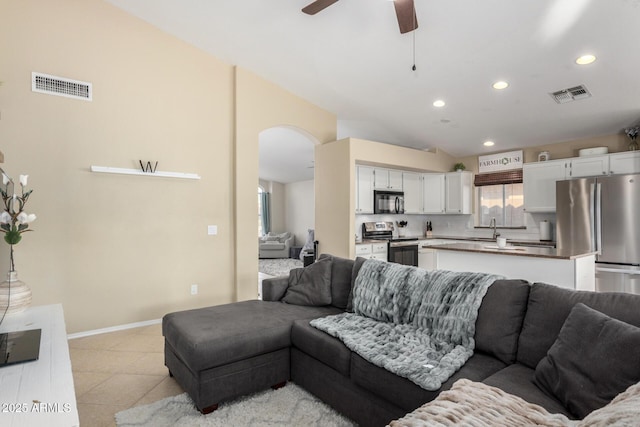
[[287, 406], [278, 266]]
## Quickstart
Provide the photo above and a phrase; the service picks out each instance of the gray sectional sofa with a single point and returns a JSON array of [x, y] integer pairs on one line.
[[218, 353]]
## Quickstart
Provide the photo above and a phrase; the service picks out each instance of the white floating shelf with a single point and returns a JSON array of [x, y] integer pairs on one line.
[[124, 171]]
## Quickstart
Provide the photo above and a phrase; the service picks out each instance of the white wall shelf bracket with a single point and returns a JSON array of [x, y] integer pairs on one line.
[[161, 174]]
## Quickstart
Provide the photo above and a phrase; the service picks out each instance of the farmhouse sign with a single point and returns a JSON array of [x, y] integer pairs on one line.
[[500, 162]]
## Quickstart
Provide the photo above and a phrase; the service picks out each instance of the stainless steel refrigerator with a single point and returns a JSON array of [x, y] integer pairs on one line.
[[602, 215]]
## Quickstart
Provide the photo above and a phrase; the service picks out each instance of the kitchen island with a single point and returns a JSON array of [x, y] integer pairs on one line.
[[535, 264]]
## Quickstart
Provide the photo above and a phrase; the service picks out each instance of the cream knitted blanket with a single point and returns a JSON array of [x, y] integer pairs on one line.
[[470, 403]]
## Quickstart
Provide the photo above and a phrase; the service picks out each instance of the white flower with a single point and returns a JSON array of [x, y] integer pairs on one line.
[[24, 218], [5, 218], [23, 180], [5, 179]]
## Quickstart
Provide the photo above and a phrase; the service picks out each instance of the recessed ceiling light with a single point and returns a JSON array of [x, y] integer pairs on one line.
[[500, 85], [438, 103], [488, 143], [585, 59]]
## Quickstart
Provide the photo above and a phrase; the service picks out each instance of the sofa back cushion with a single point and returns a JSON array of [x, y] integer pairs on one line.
[[310, 285], [500, 319], [548, 308], [341, 271], [595, 358]]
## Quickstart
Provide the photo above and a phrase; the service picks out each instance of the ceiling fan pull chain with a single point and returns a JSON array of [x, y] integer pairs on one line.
[[414, 44]]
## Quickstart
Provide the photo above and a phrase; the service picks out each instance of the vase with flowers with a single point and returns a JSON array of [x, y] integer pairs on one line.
[[15, 295], [632, 133]]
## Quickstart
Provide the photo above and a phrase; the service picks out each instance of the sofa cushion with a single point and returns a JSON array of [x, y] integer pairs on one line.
[[319, 345], [518, 379], [500, 318], [357, 265], [272, 246], [280, 237], [549, 307], [310, 285], [213, 336], [594, 359], [406, 394], [341, 271]]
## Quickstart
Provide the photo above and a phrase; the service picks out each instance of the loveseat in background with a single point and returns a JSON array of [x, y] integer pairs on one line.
[[275, 245], [218, 353]]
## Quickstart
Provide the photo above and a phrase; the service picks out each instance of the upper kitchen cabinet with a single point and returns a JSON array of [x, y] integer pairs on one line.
[[458, 197], [364, 190], [625, 162], [539, 183], [412, 186], [387, 179], [579, 167], [433, 193]]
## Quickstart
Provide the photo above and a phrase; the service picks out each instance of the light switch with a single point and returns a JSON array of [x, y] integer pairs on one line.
[[212, 230]]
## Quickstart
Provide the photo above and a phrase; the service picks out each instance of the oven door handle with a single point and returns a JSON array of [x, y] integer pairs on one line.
[[618, 270]]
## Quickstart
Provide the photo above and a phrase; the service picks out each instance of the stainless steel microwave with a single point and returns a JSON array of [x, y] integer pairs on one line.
[[388, 202]]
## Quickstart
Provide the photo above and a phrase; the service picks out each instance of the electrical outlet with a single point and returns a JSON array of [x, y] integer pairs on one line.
[[194, 289], [212, 230]]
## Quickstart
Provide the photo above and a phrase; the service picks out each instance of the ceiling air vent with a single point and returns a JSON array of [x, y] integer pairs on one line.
[[572, 94], [60, 86]]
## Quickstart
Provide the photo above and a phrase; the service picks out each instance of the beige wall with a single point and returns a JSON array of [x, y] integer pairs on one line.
[[117, 249], [300, 209], [335, 175], [261, 105], [122, 249]]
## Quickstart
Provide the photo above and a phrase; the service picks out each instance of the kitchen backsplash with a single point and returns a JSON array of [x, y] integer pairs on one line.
[[460, 225]]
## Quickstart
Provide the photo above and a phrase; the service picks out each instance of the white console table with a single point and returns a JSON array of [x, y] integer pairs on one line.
[[39, 393]]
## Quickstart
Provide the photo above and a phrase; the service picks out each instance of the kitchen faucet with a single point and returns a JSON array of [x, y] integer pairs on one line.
[[492, 224]]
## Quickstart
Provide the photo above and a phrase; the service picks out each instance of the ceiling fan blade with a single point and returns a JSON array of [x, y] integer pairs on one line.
[[406, 13], [317, 6]]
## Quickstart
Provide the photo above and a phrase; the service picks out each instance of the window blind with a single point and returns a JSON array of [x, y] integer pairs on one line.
[[496, 178]]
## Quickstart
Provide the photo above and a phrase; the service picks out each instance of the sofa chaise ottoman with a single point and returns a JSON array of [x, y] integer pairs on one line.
[[222, 352]]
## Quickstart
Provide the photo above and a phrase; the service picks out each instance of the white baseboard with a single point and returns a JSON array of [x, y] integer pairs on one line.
[[114, 329]]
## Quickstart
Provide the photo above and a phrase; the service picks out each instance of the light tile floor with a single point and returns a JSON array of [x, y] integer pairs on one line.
[[119, 370]]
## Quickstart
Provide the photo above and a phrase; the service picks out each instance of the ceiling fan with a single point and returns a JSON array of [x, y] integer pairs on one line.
[[405, 12]]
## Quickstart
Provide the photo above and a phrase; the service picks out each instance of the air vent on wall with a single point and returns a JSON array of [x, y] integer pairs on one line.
[[60, 86], [572, 94]]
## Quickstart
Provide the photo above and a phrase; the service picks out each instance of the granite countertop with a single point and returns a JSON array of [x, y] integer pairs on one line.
[[368, 241], [541, 243], [491, 248]]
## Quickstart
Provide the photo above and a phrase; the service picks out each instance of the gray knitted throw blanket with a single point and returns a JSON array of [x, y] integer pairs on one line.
[[415, 323]]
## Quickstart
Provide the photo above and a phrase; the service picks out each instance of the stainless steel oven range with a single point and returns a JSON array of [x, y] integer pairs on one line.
[[401, 250]]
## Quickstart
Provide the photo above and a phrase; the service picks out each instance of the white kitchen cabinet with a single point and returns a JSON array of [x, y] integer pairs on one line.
[[372, 251], [539, 184], [458, 192], [379, 251], [412, 187], [587, 166], [625, 162], [428, 259], [387, 179], [364, 190], [433, 190]]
